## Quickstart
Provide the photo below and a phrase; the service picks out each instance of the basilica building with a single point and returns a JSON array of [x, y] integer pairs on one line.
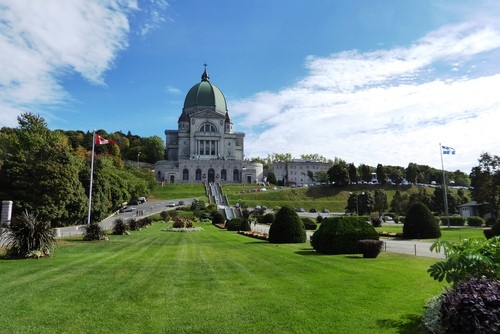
[[204, 148]]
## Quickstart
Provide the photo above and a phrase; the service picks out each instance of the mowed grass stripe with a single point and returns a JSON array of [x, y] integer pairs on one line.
[[213, 281]]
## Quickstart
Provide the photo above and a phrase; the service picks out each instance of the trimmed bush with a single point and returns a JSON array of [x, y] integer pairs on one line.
[[376, 222], [245, 225], [119, 227], [94, 232], [491, 221], [475, 221], [218, 218], [340, 235], [472, 306], [370, 248], [287, 227], [454, 221], [319, 219], [420, 223], [309, 224], [266, 219], [234, 224]]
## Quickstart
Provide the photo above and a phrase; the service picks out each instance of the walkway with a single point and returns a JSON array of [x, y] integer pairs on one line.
[[410, 247]]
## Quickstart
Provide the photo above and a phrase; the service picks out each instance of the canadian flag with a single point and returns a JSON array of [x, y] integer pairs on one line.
[[101, 141]]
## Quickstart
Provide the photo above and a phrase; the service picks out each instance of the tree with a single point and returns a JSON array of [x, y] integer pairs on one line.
[[381, 174], [153, 149], [365, 172], [321, 176], [287, 227], [485, 180], [380, 202], [353, 173], [40, 173], [271, 178], [399, 203], [366, 203], [438, 201], [412, 172], [420, 223], [339, 173]]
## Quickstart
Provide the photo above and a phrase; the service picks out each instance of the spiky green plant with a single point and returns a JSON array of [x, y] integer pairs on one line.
[[28, 237], [120, 227], [94, 232]]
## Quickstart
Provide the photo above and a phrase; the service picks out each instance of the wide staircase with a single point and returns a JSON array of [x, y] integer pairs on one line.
[[216, 196]]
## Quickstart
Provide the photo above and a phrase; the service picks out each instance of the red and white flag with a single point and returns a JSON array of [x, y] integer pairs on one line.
[[101, 141]]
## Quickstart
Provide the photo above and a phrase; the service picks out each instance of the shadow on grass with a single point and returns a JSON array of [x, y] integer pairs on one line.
[[407, 324]]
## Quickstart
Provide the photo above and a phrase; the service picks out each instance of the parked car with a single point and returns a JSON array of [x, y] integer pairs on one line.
[[127, 209], [171, 204], [325, 211], [181, 203]]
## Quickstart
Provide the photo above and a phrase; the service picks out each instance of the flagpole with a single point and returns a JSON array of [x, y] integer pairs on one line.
[[91, 178], [444, 186]]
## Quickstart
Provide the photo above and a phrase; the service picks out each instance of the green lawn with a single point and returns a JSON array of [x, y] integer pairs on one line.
[[213, 281], [178, 191], [449, 234]]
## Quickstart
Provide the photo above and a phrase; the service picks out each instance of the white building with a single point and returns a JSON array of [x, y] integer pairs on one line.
[[297, 172], [205, 148]]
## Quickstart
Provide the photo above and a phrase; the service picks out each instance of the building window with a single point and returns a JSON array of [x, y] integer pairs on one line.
[[236, 175], [185, 174], [207, 127], [198, 174], [223, 175]]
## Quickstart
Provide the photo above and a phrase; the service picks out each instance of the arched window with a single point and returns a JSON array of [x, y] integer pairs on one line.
[[207, 127], [223, 175], [236, 175], [185, 174], [198, 174]]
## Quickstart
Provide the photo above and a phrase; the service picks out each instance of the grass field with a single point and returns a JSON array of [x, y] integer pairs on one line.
[[213, 281], [448, 234]]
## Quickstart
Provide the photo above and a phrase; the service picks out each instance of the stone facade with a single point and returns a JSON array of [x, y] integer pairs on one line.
[[205, 148], [296, 172]]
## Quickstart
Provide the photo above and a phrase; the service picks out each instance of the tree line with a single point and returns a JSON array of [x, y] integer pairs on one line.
[[48, 172]]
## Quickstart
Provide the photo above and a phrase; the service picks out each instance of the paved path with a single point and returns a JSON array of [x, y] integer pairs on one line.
[[411, 247]]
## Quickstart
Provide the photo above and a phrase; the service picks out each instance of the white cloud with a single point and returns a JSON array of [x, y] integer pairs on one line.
[[43, 40], [387, 106]]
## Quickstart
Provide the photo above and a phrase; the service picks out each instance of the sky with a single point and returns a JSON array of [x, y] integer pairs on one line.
[[366, 81]]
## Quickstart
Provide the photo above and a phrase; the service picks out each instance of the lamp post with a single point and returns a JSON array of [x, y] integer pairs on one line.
[[138, 155]]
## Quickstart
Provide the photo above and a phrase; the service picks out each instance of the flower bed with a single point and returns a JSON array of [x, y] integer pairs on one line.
[[256, 235], [390, 234], [182, 229]]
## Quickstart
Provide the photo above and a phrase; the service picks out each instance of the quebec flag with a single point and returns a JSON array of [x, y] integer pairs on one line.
[[448, 150]]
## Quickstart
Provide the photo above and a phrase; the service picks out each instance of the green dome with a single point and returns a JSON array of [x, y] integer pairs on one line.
[[205, 94]]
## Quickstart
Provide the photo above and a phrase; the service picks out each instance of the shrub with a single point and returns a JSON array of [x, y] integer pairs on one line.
[[340, 235], [245, 225], [473, 257], [287, 227], [491, 221], [165, 214], [453, 220], [146, 221], [420, 223], [496, 229], [431, 317], [119, 227], [319, 219], [370, 248], [134, 225], [475, 221], [27, 236], [472, 306], [309, 224], [266, 219], [181, 222], [94, 232], [376, 222], [218, 218], [234, 224]]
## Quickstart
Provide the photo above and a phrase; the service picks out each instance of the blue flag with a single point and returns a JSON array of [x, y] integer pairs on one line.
[[448, 150]]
